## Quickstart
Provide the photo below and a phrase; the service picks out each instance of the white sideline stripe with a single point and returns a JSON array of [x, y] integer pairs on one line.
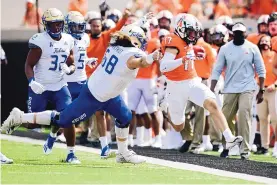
[[161, 162]]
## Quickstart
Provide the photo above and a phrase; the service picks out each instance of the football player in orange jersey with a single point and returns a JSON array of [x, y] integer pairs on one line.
[[262, 30], [164, 20], [226, 21], [183, 84], [272, 28]]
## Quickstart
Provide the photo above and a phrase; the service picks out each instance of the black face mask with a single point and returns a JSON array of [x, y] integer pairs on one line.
[[95, 36], [264, 47], [239, 38]]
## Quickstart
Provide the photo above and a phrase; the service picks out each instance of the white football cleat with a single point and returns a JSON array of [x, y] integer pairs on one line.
[[13, 121], [129, 157], [5, 160], [234, 151], [236, 141]]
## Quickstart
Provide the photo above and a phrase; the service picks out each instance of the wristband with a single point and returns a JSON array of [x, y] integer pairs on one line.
[[31, 79], [149, 59]]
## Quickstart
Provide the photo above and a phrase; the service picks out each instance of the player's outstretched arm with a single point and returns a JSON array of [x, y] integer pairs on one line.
[[143, 61]]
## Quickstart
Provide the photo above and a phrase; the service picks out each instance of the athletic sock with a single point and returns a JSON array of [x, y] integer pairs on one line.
[[103, 141], [228, 135]]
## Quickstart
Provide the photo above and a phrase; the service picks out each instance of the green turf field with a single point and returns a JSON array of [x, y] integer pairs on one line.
[[32, 167]]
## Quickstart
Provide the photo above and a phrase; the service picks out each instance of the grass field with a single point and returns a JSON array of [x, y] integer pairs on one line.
[[32, 167]]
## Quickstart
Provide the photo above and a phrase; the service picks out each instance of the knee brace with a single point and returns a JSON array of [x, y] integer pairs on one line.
[[120, 124]]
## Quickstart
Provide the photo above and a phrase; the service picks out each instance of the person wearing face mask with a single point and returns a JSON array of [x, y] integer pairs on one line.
[[272, 28], [262, 30], [238, 57], [165, 18], [267, 107]]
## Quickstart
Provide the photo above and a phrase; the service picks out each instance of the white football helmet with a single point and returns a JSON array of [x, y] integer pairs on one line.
[[75, 24], [53, 15], [263, 19], [136, 35], [165, 14], [91, 15], [219, 34], [114, 15], [187, 28], [225, 21], [108, 24]]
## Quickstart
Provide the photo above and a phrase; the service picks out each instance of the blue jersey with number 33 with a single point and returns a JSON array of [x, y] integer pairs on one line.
[[112, 76]]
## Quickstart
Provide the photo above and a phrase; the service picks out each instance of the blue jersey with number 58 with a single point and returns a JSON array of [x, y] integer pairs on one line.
[[112, 76], [80, 54], [48, 71]]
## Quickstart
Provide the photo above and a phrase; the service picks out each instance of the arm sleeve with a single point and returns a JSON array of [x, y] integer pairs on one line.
[[219, 65], [107, 34], [168, 63], [259, 63]]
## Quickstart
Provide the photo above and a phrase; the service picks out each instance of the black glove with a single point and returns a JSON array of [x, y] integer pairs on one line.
[[103, 8]]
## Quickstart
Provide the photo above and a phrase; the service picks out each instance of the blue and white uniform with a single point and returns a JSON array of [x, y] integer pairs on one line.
[[76, 80], [48, 72], [103, 89]]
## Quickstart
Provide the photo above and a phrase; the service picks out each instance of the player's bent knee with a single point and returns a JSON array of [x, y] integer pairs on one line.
[[125, 120], [211, 105]]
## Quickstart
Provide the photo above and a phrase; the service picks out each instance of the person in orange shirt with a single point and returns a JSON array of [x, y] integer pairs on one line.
[[31, 18], [165, 18], [99, 42], [272, 28], [220, 9], [262, 30], [78, 5], [183, 84], [267, 108], [142, 90]]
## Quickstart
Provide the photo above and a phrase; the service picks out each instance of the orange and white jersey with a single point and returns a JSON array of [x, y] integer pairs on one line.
[[254, 37], [184, 71]]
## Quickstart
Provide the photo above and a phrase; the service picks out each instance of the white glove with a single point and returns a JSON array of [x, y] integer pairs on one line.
[[65, 68], [190, 55], [36, 87], [156, 55], [91, 62]]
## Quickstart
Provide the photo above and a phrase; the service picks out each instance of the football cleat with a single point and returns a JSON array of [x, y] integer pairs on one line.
[[72, 159], [5, 160], [47, 147], [236, 141], [129, 157], [12, 122], [107, 153]]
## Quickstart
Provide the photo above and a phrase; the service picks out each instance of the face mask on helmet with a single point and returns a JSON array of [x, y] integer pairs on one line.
[[54, 29], [77, 30], [217, 39], [139, 42]]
